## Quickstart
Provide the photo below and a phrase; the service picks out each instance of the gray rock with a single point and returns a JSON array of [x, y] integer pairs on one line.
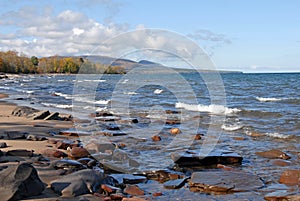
[[214, 158], [67, 164], [78, 183], [20, 152], [40, 115], [36, 138], [128, 178], [224, 182], [53, 116], [15, 135], [174, 184], [20, 181], [23, 111], [3, 145]]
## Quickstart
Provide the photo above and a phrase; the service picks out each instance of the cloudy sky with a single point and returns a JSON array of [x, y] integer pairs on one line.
[[252, 36]]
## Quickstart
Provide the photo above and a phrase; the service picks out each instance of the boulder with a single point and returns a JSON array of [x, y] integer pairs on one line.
[[274, 153], [79, 152], [212, 159], [224, 182], [23, 111], [78, 183], [20, 181]]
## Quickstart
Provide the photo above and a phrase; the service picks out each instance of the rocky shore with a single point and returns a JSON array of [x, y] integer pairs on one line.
[[43, 157]]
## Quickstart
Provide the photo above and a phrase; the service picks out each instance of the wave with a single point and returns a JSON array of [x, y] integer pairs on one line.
[[85, 100], [61, 106], [277, 135], [214, 109], [232, 127], [130, 93], [66, 96], [158, 91], [91, 80], [261, 99]]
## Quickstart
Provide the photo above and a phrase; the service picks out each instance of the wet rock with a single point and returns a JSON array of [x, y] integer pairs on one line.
[[172, 121], [40, 115], [53, 116], [197, 137], [282, 196], [78, 183], [224, 167], [290, 177], [108, 189], [20, 152], [112, 127], [65, 117], [134, 199], [174, 184], [94, 147], [175, 131], [53, 153], [117, 196], [69, 133], [1, 153], [107, 118], [280, 162], [36, 138], [16, 135], [133, 190], [156, 138], [3, 145], [212, 159], [274, 153], [86, 161], [79, 152], [20, 181], [23, 111], [113, 134], [224, 182], [156, 194], [67, 164], [164, 175], [122, 179], [101, 114]]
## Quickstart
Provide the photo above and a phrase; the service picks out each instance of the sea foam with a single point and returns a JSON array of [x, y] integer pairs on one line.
[[214, 109], [262, 99]]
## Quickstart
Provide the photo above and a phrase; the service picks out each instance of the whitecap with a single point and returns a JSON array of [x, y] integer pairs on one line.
[[66, 96], [232, 127], [277, 135], [130, 93], [214, 109], [262, 99], [158, 91], [61, 106]]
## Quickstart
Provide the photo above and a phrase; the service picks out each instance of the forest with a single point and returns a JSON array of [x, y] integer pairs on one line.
[[16, 63]]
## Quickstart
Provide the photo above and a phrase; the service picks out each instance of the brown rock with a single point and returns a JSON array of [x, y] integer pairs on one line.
[[79, 152], [156, 194], [108, 189], [280, 162], [224, 167], [53, 153], [134, 199], [239, 138], [175, 131], [254, 134], [68, 133], [282, 196], [156, 138], [274, 153], [117, 196], [133, 190], [290, 177], [197, 137]]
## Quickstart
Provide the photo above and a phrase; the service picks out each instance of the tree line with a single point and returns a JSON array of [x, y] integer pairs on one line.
[[14, 62]]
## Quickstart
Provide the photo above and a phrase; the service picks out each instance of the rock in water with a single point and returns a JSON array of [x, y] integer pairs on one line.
[[78, 183], [224, 182], [20, 181], [274, 153]]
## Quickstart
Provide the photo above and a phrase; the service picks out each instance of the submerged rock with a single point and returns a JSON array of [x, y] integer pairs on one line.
[[20, 181], [224, 182], [78, 183], [214, 158], [290, 177], [274, 153], [174, 184]]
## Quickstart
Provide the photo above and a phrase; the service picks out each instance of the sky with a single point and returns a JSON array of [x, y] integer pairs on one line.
[[249, 36]]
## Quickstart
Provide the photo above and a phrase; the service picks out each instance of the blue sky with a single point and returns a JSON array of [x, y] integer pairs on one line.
[[252, 36]]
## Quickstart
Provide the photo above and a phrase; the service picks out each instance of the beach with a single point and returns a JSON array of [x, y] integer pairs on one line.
[[107, 154]]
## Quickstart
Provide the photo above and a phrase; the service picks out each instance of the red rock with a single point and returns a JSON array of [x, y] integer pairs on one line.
[[175, 131], [224, 167], [274, 153], [239, 138], [117, 196], [133, 190], [156, 194], [197, 137], [53, 153], [280, 162], [156, 138], [290, 177], [109, 189], [79, 152]]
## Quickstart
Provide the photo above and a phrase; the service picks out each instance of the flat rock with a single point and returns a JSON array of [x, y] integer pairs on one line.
[[214, 158], [53, 153], [77, 183], [20, 181], [128, 178], [20, 152], [15, 135], [174, 184], [224, 182], [53, 116], [274, 153], [282, 195], [290, 177], [40, 115], [67, 164], [133, 190], [23, 111]]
